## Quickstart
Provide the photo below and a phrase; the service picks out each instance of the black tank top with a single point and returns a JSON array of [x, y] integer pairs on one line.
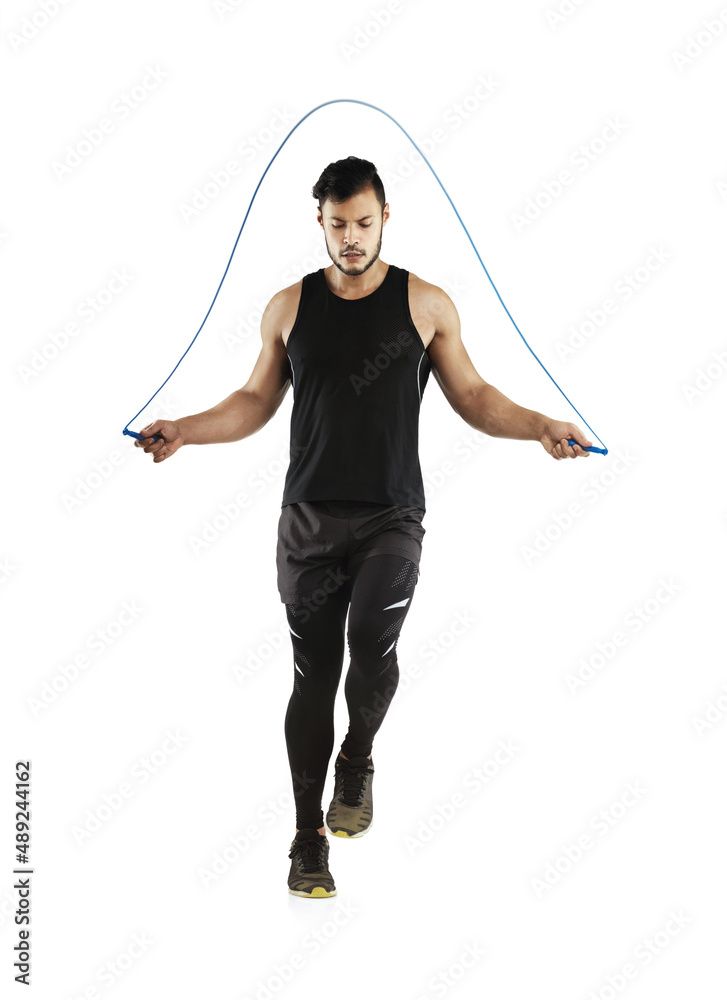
[[358, 369]]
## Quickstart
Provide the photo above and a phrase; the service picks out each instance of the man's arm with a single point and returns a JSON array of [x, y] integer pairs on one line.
[[480, 404], [245, 411]]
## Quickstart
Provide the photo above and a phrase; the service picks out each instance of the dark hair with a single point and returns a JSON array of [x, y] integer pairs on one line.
[[345, 178]]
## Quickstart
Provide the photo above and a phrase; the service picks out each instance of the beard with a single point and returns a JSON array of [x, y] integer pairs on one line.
[[361, 266]]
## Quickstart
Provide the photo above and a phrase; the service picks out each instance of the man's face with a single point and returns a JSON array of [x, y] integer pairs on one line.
[[352, 230]]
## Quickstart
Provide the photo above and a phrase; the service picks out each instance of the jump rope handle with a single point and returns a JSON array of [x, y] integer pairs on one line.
[[139, 437], [601, 451]]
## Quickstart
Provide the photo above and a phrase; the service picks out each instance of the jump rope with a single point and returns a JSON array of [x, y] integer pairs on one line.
[[351, 100]]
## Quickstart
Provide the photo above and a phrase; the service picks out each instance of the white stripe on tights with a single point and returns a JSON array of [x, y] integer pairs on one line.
[[399, 604]]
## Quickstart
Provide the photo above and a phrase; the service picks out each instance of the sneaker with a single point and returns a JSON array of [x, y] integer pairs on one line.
[[309, 875], [352, 808]]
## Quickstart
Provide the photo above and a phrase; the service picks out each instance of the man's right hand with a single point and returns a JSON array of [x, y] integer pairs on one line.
[[170, 439]]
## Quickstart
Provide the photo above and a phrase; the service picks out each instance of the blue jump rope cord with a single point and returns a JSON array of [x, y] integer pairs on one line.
[[351, 100]]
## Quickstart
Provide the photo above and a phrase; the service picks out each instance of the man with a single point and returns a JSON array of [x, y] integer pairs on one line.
[[357, 341]]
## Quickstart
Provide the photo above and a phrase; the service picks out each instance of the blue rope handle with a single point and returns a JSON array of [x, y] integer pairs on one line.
[[351, 100], [601, 451]]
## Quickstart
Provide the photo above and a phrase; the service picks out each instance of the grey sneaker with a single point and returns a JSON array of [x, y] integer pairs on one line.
[[309, 875], [351, 811]]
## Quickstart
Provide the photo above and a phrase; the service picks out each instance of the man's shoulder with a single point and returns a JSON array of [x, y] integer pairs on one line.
[[286, 298], [290, 291], [424, 294]]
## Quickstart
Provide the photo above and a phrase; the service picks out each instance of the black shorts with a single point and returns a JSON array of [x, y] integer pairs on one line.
[[320, 543]]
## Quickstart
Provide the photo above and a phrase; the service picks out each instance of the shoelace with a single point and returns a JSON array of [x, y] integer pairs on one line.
[[354, 779], [309, 855]]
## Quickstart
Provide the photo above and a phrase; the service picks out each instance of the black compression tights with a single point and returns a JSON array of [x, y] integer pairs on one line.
[[380, 592]]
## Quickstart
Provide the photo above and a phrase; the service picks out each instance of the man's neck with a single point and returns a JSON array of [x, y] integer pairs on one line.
[[355, 286]]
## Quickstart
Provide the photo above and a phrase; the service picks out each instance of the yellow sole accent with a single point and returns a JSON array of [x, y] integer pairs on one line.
[[348, 836], [317, 893]]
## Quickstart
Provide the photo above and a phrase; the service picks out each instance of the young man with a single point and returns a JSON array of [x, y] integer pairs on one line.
[[357, 341]]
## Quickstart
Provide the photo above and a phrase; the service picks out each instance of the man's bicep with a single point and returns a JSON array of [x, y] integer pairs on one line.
[[452, 366], [270, 377]]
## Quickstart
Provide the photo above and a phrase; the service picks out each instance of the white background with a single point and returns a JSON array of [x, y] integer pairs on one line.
[[465, 886]]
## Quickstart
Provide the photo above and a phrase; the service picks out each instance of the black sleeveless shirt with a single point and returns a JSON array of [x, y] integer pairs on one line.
[[358, 369]]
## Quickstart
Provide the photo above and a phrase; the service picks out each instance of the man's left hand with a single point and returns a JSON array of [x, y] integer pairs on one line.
[[555, 440]]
